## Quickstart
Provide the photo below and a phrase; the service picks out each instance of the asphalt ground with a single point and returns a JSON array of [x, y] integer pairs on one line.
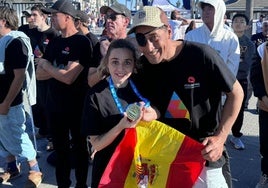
[[245, 164]]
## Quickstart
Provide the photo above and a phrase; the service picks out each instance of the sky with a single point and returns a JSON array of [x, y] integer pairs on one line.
[[132, 2]]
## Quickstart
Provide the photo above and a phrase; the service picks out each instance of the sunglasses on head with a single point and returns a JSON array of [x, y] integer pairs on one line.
[[142, 40], [112, 16]]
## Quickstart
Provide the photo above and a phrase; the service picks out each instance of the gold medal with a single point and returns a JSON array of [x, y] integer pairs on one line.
[[133, 112]]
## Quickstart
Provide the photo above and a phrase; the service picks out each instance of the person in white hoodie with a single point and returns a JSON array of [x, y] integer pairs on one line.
[[224, 41], [213, 33]]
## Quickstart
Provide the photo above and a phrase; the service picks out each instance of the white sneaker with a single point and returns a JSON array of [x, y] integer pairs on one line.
[[237, 143], [263, 183]]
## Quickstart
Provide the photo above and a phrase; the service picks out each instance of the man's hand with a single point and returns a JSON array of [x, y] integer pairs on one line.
[[214, 146]]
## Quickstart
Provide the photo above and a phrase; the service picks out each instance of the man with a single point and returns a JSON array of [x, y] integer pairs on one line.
[[224, 41], [258, 39], [247, 49], [259, 81], [176, 22], [213, 33], [82, 25], [117, 19], [259, 24], [65, 65], [171, 74], [15, 56], [29, 27], [46, 34], [261, 37]]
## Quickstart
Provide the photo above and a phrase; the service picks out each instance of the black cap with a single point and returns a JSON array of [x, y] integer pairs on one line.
[[63, 6], [118, 8], [82, 16], [27, 12]]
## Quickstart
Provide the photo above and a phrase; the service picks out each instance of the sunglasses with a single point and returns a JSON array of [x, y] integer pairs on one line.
[[113, 16], [142, 40]]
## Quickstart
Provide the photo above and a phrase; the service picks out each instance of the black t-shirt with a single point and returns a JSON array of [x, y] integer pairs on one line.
[[96, 55], [168, 84], [258, 39], [43, 39], [99, 116], [16, 57], [164, 83], [32, 33], [63, 97]]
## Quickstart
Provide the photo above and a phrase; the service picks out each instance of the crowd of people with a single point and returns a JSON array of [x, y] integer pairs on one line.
[[77, 88]]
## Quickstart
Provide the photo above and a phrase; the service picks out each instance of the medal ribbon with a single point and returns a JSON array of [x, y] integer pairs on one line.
[[116, 100]]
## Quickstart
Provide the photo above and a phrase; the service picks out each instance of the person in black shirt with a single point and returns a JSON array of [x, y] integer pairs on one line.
[[82, 25], [104, 117], [185, 81], [65, 66], [15, 58], [46, 33]]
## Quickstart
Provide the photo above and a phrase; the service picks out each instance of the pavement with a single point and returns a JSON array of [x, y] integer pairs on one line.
[[245, 164]]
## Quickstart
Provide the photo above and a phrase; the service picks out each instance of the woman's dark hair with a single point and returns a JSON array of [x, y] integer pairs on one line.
[[191, 26]]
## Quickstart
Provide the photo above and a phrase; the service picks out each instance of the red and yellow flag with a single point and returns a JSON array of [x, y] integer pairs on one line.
[[154, 155]]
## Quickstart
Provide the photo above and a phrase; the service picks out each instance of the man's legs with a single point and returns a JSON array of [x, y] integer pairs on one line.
[[61, 141], [236, 129], [81, 154], [263, 137], [16, 142], [211, 178]]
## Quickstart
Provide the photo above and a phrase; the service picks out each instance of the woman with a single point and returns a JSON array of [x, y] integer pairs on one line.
[[105, 117]]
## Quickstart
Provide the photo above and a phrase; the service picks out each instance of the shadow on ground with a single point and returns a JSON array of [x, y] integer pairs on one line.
[[245, 164]]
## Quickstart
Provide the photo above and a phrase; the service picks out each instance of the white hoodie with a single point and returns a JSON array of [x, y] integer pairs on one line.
[[225, 42]]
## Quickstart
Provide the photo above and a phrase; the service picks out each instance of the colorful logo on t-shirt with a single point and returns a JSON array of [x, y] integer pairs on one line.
[[176, 108], [37, 52]]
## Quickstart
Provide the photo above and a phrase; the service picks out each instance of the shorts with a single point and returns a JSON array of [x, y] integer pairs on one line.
[[211, 178], [13, 138]]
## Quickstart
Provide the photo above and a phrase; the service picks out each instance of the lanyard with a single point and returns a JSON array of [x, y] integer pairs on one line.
[[116, 100]]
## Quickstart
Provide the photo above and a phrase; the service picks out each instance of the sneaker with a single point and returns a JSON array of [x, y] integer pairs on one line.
[[34, 179], [9, 175], [50, 146], [237, 143], [263, 183]]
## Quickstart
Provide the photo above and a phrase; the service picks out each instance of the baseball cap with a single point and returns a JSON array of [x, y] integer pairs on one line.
[[27, 12], [149, 16], [63, 6], [118, 8], [82, 16]]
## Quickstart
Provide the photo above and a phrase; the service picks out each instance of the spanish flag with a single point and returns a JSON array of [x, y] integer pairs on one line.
[[154, 155]]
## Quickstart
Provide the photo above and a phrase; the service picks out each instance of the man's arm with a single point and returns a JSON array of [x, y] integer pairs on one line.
[[15, 87], [41, 74], [184, 21], [94, 76], [67, 75], [215, 144]]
